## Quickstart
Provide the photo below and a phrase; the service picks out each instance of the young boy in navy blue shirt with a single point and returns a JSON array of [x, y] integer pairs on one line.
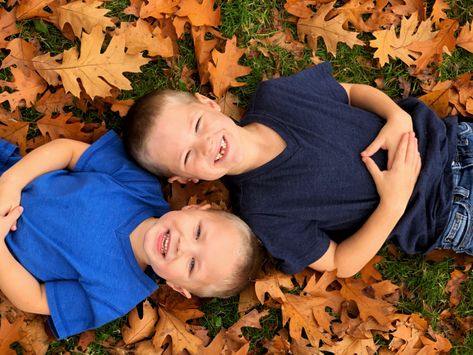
[[86, 234], [323, 172]]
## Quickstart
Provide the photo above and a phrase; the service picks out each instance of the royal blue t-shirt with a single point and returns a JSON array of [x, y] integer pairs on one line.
[[74, 234], [318, 188]]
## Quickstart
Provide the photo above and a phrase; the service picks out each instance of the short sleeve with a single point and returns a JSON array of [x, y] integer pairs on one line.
[[296, 243], [9, 155]]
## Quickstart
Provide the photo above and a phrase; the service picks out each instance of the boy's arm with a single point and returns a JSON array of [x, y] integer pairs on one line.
[[16, 283], [398, 121], [395, 187], [55, 155]]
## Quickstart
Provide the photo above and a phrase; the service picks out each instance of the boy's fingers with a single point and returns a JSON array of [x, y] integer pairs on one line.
[[372, 148], [372, 168], [14, 214], [401, 151], [412, 150]]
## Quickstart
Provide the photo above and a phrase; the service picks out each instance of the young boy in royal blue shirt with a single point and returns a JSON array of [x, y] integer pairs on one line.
[[307, 170], [90, 227]]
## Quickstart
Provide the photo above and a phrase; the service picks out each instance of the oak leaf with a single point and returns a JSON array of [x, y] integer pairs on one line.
[[169, 325], [271, 283], [203, 48], [7, 26], [248, 299], [83, 16], [224, 68], [27, 88], [32, 8], [389, 43], [44, 65], [140, 328], [438, 11], [158, 8], [465, 38], [350, 345], [300, 8], [200, 13], [354, 11], [432, 50], [9, 333], [453, 286], [35, 340], [330, 30], [438, 101], [21, 55], [53, 102], [14, 131], [251, 319], [140, 37], [98, 72]]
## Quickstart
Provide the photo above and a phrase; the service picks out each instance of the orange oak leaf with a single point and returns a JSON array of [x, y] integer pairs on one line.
[[98, 72], [83, 16], [158, 8], [7, 25], [297, 310], [465, 38], [438, 11], [438, 101], [65, 125], [134, 8], [224, 68], [9, 333], [44, 65], [34, 339], [354, 11], [121, 106], [203, 48], [53, 102], [27, 87], [410, 7], [369, 274], [382, 311], [390, 43], [453, 286], [432, 50], [21, 55], [382, 16], [85, 339], [32, 8], [271, 283], [140, 37], [14, 131], [200, 13], [169, 325], [228, 105], [248, 299], [331, 30], [140, 328], [351, 345], [300, 8], [251, 319]]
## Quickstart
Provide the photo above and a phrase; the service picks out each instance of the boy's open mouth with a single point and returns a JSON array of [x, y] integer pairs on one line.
[[164, 245], [222, 150]]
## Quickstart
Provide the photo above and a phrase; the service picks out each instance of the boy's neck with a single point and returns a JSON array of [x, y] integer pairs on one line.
[[262, 144]]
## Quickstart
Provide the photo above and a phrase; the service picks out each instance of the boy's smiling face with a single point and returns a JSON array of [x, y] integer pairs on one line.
[[193, 248], [195, 141]]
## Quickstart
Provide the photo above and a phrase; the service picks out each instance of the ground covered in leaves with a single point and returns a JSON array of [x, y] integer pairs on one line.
[[72, 68]]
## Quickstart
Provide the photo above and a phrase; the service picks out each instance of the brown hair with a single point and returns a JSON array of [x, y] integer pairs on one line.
[[141, 118], [252, 255]]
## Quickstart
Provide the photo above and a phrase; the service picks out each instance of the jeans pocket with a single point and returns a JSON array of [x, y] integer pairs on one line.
[[458, 234]]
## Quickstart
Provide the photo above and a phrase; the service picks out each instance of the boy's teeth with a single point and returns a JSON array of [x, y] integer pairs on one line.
[[165, 245], [223, 146]]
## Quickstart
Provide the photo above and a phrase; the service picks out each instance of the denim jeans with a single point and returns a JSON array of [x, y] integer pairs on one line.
[[458, 234]]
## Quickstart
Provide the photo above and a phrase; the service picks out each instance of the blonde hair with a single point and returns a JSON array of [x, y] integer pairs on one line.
[[251, 254], [141, 118]]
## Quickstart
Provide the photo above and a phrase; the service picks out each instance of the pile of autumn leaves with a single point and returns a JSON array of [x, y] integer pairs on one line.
[[91, 79]]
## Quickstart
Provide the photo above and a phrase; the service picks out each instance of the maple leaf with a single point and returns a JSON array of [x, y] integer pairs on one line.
[[388, 43], [169, 325], [225, 68], [98, 72], [32, 8], [140, 328], [200, 13], [83, 16], [7, 25], [465, 38], [140, 37], [9, 333], [432, 50], [331, 31]]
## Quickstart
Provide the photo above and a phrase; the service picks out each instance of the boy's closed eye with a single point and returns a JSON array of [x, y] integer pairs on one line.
[[197, 124], [198, 233]]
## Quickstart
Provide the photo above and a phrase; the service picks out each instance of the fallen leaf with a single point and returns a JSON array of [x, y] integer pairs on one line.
[[140, 328]]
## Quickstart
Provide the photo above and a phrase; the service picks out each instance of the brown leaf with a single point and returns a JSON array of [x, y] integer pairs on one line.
[[225, 68], [145, 348], [453, 286], [168, 325], [438, 101], [203, 48], [14, 131], [35, 339], [32, 8], [98, 72], [21, 55], [140, 328], [248, 299], [9, 333], [7, 26], [350, 345], [300, 8], [200, 13], [27, 88], [331, 30], [53, 102], [369, 274], [251, 319], [465, 38], [438, 11], [354, 12], [271, 283], [229, 106], [157, 9]]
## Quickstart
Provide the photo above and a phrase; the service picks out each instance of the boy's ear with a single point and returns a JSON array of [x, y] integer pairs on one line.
[[179, 289], [206, 101], [182, 180]]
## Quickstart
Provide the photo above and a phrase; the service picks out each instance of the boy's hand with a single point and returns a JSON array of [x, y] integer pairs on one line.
[[10, 197], [8, 220], [390, 135], [396, 184]]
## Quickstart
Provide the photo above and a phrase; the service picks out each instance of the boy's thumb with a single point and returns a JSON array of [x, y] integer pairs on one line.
[[16, 212], [372, 148], [372, 167]]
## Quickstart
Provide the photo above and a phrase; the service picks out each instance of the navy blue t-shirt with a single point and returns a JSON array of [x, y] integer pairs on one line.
[[318, 188], [74, 234]]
